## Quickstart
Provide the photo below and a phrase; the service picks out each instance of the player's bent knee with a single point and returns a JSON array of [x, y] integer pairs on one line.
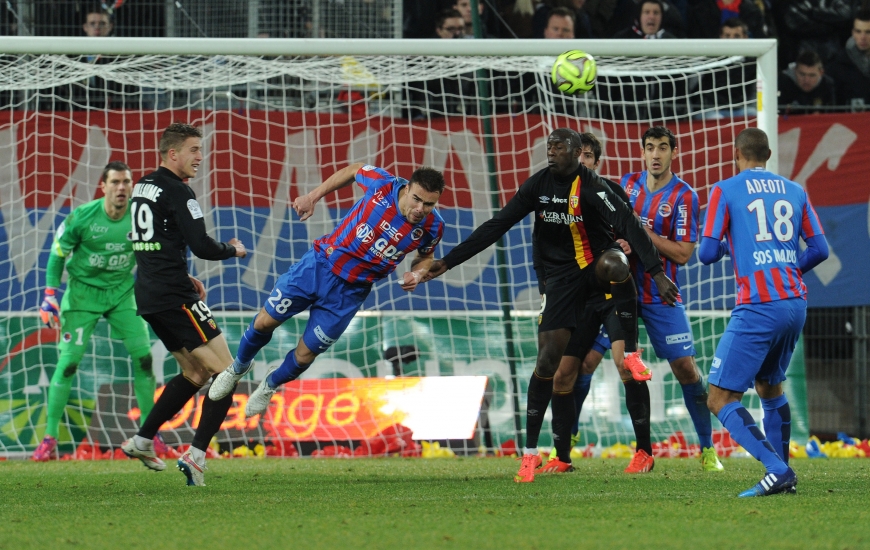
[[70, 370], [146, 363]]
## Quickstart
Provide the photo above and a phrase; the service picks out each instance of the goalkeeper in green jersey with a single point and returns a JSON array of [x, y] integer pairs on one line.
[[93, 244]]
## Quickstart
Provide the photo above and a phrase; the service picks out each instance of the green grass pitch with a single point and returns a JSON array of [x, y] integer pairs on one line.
[[417, 503]]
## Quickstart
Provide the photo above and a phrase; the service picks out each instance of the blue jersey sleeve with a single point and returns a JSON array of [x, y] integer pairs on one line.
[[371, 177]]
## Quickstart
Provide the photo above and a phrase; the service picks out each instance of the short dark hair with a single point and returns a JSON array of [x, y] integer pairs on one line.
[[175, 135], [862, 15], [445, 15], [659, 132], [115, 165], [753, 144], [429, 179], [735, 23], [97, 9], [562, 12], [589, 139], [808, 58], [570, 137]]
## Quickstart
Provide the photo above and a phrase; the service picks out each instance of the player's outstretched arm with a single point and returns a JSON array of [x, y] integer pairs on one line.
[[304, 205], [679, 252], [436, 269], [419, 269], [240, 248]]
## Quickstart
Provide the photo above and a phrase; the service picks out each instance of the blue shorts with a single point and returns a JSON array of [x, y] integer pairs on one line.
[[758, 344], [602, 341], [332, 301], [668, 330]]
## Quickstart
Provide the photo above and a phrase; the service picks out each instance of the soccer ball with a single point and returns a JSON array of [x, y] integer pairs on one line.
[[574, 72]]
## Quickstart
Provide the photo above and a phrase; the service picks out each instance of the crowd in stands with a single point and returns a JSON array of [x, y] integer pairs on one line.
[[823, 45]]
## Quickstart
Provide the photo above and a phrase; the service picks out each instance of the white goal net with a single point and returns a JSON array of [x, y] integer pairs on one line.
[[278, 117]]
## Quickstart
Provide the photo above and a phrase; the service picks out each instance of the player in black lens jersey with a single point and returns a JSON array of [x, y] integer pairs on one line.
[[575, 213], [167, 219]]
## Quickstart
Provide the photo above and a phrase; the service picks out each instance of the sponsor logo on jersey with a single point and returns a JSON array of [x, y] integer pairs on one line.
[[633, 192], [574, 201], [678, 338], [544, 200], [383, 249], [367, 167], [95, 228], [379, 199], [116, 247], [557, 200], [390, 231], [194, 209], [717, 362], [146, 247], [318, 332], [417, 233], [665, 209], [559, 217], [365, 233], [603, 196]]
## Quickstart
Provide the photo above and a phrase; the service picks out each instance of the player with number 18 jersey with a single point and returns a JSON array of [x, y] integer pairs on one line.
[[761, 216]]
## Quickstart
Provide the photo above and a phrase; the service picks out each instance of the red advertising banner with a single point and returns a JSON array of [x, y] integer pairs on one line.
[[247, 152]]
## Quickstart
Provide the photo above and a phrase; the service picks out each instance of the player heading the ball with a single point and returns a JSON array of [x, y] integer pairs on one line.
[[394, 217]]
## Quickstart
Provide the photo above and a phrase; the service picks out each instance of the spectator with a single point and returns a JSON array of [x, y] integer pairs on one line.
[[734, 28], [450, 24], [517, 16], [447, 95], [706, 17], [98, 22], [813, 25], [805, 84], [464, 7], [600, 13], [560, 24], [648, 24], [626, 15], [582, 21], [729, 91], [851, 68]]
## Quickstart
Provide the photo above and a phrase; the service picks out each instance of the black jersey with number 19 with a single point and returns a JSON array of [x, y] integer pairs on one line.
[[167, 220]]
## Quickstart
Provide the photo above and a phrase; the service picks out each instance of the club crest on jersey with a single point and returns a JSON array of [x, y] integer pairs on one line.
[[329, 251], [574, 201], [665, 209], [365, 233], [212, 324], [417, 233]]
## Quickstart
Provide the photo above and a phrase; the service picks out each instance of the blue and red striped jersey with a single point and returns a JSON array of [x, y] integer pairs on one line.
[[762, 215], [671, 212], [373, 238]]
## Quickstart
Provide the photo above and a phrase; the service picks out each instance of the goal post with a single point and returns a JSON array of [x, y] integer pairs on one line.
[[278, 117]]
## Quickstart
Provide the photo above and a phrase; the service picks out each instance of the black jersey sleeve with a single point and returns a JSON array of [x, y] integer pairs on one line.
[[189, 217], [491, 230], [620, 215]]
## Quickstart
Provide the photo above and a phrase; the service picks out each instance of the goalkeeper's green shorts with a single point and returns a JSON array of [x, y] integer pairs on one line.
[[77, 326]]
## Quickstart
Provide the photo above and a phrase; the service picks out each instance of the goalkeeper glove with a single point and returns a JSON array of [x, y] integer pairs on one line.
[[49, 311]]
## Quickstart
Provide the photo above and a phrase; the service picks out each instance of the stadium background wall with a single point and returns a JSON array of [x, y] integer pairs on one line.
[[258, 161]]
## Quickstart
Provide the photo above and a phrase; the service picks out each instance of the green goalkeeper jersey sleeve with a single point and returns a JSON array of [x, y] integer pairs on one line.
[[96, 247]]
